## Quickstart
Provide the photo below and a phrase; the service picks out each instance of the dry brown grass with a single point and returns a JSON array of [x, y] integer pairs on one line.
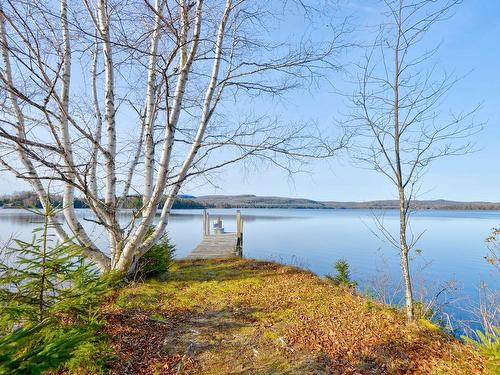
[[243, 316]]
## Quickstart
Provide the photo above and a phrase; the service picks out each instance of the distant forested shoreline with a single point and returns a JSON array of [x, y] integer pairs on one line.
[[30, 200]]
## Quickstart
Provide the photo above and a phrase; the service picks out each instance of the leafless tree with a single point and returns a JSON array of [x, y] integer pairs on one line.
[[397, 112], [485, 312], [433, 297], [105, 98], [493, 244]]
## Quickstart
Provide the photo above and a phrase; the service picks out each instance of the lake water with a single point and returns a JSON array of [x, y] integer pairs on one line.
[[452, 247]]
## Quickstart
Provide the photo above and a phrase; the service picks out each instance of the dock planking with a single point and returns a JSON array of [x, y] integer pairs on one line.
[[219, 244]]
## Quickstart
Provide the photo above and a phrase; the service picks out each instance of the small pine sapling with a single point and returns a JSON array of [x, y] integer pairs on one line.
[[343, 276]]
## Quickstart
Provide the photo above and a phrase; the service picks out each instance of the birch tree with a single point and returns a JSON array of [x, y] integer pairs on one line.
[[398, 112], [106, 98]]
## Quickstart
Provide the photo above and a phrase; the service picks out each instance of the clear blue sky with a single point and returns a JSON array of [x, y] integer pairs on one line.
[[469, 44]]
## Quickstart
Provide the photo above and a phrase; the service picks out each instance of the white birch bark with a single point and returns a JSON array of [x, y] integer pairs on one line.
[[133, 166], [150, 206], [204, 119], [149, 149], [69, 191], [91, 252], [98, 128], [109, 118]]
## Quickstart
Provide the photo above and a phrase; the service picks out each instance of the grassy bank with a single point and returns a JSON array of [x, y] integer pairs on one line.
[[243, 316]]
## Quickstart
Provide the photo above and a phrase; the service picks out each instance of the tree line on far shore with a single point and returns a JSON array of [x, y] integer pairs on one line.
[[28, 199]]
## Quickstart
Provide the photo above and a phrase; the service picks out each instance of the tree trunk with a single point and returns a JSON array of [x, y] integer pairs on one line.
[[149, 207], [401, 188], [149, 150], [410, 316]]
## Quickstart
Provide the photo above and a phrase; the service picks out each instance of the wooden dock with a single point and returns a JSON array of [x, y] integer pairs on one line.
[[217, 243]]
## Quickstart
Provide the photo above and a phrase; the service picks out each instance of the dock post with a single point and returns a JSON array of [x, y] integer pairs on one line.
[[239, 234], [206, 223], [216, 243]]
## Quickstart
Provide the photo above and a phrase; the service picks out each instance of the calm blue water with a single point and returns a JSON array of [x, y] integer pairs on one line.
[[452, 246]]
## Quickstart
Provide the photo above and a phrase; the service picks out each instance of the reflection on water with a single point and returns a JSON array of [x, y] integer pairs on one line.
[[453, 242]]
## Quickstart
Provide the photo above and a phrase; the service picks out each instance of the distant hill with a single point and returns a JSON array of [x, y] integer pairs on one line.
[[29, 199], [253, 201]]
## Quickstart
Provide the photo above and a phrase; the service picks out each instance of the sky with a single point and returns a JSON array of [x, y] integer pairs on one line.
[[469, 46]]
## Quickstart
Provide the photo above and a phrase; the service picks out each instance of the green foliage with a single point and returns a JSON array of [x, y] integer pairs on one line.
[[489, 344], [49, 297], [34, 349], [29, 199], [157, 261], [369, 298], [41, 278], [92, 354], [422, 311], [47, 346], [343, 276], [183, 203]]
